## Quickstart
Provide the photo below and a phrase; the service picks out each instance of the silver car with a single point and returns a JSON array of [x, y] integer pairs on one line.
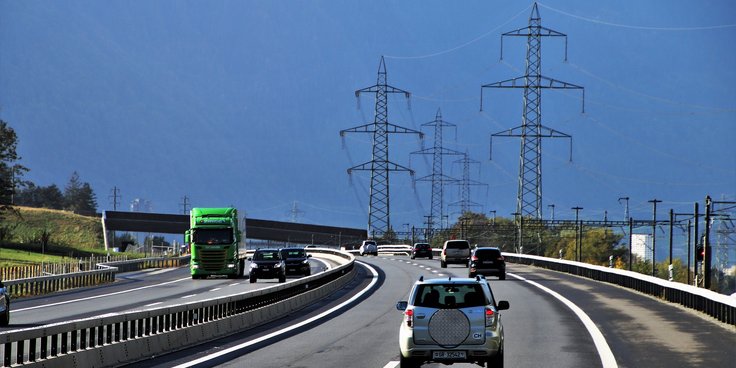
[[368, 247], [451, 320], [455, 251]]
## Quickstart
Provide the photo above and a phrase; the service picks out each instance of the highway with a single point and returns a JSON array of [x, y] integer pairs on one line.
[[133, 291], [358, 327]]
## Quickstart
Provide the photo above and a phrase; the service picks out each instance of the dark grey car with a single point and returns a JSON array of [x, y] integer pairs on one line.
[[487, 261]]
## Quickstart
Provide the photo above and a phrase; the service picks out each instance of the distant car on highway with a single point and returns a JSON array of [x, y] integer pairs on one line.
[[421, 250], [4, 305], [455, 251], [368, 247], [297, 261], [267, 264], [451, 320], [487, 261]]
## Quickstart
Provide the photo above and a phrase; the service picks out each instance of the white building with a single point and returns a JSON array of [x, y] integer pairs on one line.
[[641, 246]]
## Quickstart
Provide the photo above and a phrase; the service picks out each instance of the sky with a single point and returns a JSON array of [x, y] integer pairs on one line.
[[241, 102]]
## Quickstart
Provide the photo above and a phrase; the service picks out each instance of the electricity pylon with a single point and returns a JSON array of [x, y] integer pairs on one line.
[[531, 131], [465, 203], [437, 177], [380, 166]]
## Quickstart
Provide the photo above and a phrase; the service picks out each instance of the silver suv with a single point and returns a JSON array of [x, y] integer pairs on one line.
[[451, 320], [455, 251]]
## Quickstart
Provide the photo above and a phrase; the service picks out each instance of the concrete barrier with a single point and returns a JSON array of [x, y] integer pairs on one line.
[[123, 338]]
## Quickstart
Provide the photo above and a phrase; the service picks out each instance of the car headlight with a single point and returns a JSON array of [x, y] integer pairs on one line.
[[195, 266], [305, 262]]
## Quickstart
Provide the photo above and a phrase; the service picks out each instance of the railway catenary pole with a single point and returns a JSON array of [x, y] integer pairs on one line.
[[654, 236]]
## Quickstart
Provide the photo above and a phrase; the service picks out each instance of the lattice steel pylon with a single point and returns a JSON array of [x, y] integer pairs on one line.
[[437, 177], [465, 203], [531, 131], [380, 166]]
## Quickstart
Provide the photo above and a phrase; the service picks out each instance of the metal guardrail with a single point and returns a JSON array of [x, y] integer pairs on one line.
[[719, 306], [120, 338], [103, 274]]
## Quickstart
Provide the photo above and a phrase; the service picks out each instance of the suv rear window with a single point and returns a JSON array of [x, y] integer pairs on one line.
[[458, 244], [268, 255], [488, 253], [450, 296]]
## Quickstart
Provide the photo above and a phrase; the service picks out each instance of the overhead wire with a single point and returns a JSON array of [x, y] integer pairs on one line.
[[461, 45], [646, 28]]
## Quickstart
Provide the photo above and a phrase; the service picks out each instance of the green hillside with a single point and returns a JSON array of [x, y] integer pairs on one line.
[[55, 232]]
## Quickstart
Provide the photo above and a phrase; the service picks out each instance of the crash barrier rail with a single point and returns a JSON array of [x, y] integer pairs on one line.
[[104, 273], [394, 249], [55, 268], [121, 338], [719, 306]]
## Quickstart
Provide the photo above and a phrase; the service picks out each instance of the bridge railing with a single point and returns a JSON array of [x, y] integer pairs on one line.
[[719, 306], [120, 338]]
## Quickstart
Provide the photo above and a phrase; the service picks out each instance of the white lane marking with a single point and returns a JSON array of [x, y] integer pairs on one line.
[[99, 296], [392, 364], [434, 271], [604, 351], [290, 328], [215, 289], [235, 284], [152, 304], [327, 264], [189, 296], [163, 270]]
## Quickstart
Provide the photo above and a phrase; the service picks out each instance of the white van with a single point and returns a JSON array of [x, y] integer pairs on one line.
[[455, 251]]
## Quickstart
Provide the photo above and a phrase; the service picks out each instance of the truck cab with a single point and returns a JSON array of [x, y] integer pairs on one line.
[[214, 240]]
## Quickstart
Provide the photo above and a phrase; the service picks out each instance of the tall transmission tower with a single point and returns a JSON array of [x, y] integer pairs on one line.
[[380, 166], [531, 131], [295, 212], [115, 197], [185, 205], [437, 177], [465, 203]]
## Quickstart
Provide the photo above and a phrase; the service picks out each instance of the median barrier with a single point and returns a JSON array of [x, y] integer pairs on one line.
[[123, 338], [104, 273]]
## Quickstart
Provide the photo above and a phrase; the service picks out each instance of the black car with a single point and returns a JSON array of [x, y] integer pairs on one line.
[[421, 250], [297, 261], [487, 261], [267, 264]]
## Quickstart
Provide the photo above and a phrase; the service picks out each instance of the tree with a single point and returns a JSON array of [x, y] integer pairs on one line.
[[46, 197], [79, 197], [10, 171]]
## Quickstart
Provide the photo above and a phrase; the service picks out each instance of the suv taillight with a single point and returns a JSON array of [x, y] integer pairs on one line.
[[409, 317], [490, 317], [500, 258], [474, 258]]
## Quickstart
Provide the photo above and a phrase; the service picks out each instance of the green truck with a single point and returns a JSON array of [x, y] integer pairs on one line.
[[214, 240]]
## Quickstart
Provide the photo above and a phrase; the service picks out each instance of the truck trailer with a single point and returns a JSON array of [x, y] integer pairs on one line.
[[214, 240]]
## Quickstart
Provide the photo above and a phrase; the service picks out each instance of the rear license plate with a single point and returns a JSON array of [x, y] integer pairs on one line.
[[448, 355], [487, 262]]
